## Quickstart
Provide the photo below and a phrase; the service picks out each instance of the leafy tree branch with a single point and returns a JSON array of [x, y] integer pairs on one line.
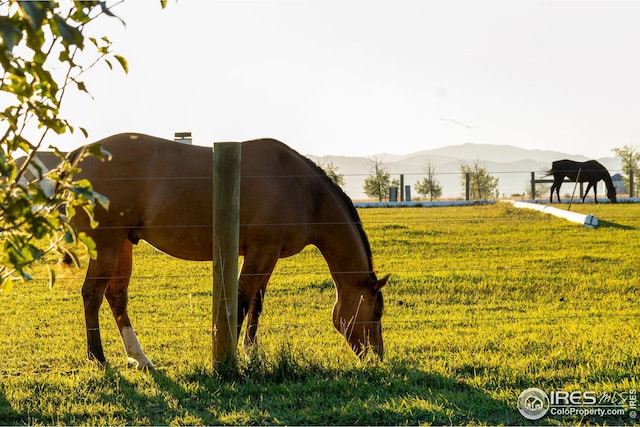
[[44, 53]]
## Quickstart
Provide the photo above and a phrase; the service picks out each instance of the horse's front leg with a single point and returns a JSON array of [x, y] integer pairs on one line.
[[118, 297], [252, 284], [584, 196]]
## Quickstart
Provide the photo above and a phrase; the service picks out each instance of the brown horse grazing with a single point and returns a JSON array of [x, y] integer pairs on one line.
[[590, 171], [161, 192]]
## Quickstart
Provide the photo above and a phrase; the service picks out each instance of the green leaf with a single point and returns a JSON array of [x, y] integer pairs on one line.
[[36, 10], [70, 34], [31, 253], [89, 243], [70, 211], [102, 200], [88, 209], [81, 86], [123, 62], [79, 14], [7, 287], [69, 237], [99, 152], [11, 33], [106, 10]]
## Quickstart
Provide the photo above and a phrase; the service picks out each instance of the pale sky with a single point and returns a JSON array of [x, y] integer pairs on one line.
[[347, 77]]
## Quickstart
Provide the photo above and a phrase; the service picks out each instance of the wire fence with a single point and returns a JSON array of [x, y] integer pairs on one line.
[[193, 312], [455, 184]]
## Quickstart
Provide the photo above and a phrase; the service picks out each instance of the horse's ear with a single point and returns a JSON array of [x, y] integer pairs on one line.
[[380, 283]]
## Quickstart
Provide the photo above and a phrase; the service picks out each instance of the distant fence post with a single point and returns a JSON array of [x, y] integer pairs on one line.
[[631, 186], [393, 194], [401, 187], [467, 186], [407, 193], [533, 185], [226, 232]]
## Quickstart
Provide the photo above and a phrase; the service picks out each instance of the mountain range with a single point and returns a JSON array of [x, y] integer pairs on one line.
[[511, 165]]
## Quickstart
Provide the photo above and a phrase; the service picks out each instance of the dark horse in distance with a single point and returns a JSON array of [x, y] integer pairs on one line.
[[161, 192], [590, 171]]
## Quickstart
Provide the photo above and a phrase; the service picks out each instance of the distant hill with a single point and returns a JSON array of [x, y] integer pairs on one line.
[[511, 165]]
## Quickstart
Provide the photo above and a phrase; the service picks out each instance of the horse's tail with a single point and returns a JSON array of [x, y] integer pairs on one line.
[[72, 158], [547, 173]]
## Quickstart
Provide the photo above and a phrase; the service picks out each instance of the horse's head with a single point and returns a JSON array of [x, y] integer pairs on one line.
[[357, 314], [611, 194]]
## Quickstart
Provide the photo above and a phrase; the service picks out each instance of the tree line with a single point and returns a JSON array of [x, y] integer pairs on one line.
[[377, 184]]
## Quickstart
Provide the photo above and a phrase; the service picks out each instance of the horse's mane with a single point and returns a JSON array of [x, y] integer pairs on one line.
[[348, 203]]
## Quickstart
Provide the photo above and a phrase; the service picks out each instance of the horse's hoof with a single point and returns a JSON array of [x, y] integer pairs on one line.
[[102, 366], [98, 361], [146, 368], [143, 364]]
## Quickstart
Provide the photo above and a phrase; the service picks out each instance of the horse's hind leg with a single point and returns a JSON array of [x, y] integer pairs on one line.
[[118, 297], [255, 309], [554, 187], [95, 284]]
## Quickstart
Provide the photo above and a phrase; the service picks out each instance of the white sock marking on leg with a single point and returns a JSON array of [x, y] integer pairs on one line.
[[134, 349]]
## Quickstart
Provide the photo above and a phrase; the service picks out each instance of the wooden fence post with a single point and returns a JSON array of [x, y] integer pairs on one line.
[[533, 185], [226, 232]]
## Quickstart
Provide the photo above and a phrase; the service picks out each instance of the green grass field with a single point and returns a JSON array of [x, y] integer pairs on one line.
[[484, 302]]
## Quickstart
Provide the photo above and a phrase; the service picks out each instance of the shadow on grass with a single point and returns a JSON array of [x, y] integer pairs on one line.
[[291, 391], [295, 395], [110, 397], [608, 224], [7, 414], [259, 393]]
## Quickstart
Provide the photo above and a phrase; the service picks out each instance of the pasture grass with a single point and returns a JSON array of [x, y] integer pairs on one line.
[[484, 302]]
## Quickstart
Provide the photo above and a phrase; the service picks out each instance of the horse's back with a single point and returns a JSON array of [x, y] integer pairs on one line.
[[565, 165], [572, 165], [161, 191]]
